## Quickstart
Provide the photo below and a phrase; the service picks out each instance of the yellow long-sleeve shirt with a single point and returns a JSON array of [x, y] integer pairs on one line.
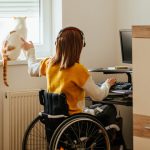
[[72, 81], [69, 81]]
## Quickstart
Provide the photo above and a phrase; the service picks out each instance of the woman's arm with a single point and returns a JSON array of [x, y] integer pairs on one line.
[[33, 63], [95, 92]]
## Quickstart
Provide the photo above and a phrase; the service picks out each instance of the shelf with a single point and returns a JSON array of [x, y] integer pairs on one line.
[[128, 72]]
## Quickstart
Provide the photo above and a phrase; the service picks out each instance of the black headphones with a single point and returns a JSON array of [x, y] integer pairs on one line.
[[74, 29]]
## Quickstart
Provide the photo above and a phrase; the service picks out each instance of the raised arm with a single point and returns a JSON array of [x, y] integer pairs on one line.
[[33, 63]]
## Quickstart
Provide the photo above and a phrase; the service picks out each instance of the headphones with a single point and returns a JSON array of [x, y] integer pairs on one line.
[[73, 29]]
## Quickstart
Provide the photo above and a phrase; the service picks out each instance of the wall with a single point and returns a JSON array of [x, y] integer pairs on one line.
[[97, 20], [56, 20], [18, 79], [128, 13]]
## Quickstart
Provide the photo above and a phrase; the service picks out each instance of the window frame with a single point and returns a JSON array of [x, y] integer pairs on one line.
[[44, 48]]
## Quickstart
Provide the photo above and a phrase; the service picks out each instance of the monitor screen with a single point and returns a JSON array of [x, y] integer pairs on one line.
[[126, 45]]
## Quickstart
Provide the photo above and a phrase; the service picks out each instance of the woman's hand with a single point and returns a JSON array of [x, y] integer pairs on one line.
[[111, 81], [27, 45]]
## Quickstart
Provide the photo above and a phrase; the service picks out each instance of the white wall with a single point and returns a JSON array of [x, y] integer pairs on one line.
[[18, 79], [56, 20], [128, 13], [132, 12], [98, 22]]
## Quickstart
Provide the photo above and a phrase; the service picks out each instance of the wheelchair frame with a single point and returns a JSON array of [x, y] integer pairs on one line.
[[91, 134], [76, 132]]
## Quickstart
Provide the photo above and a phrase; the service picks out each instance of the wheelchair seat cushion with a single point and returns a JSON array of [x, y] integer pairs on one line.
[[54, 104], [106, 113]]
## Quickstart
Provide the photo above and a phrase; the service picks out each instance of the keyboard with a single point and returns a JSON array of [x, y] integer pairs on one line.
[[121, 86]]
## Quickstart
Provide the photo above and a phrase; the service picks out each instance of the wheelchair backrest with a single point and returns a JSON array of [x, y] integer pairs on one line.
[[54, 104]]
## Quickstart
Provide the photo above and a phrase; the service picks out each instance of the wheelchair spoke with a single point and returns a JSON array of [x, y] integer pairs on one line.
[[68, 138], [78, 139], [92, 133], [82, 134], [79, 130], [36, 137], [99, 140], [90, 128]]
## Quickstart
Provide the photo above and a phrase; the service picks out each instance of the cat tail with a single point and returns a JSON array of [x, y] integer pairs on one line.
[[5, 59]]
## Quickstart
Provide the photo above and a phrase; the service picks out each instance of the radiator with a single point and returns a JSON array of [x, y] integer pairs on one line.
[[20, 107]]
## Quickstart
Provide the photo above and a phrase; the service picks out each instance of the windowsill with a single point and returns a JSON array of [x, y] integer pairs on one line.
[[17, 62]]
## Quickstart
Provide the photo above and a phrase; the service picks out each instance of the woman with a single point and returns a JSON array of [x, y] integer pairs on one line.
[[64, 73]]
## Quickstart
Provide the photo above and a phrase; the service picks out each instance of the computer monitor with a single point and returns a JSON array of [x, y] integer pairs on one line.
[[126, 45]]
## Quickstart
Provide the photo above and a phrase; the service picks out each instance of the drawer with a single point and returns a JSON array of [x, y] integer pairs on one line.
[[141, 126]]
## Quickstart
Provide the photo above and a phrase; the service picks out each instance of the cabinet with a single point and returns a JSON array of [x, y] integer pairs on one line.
[[141, 87]]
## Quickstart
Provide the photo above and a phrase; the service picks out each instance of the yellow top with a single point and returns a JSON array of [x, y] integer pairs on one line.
[[69, 81]]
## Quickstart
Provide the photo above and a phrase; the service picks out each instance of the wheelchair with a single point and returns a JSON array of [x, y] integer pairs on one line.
[[82, 131]]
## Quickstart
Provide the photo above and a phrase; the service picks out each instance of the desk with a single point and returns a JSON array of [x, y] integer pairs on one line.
[[128, 72], [123, 104], [112, 98], [122, 100], [116, 100]]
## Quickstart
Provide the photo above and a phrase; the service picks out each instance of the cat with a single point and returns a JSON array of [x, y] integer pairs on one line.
[[13, 44]]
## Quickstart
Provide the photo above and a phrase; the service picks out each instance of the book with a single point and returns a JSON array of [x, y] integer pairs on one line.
[[121, 91], [117, 67]]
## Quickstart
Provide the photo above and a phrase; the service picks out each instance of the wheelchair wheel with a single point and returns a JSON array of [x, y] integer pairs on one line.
[[35, 137], [80, 132]]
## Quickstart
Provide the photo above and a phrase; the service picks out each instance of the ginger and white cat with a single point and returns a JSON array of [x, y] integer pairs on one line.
[[12, 46]]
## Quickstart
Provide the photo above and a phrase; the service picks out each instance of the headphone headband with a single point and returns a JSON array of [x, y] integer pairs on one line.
[[73, 29]]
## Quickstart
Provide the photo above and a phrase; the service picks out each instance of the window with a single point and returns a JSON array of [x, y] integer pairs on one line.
[[38, 13]]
